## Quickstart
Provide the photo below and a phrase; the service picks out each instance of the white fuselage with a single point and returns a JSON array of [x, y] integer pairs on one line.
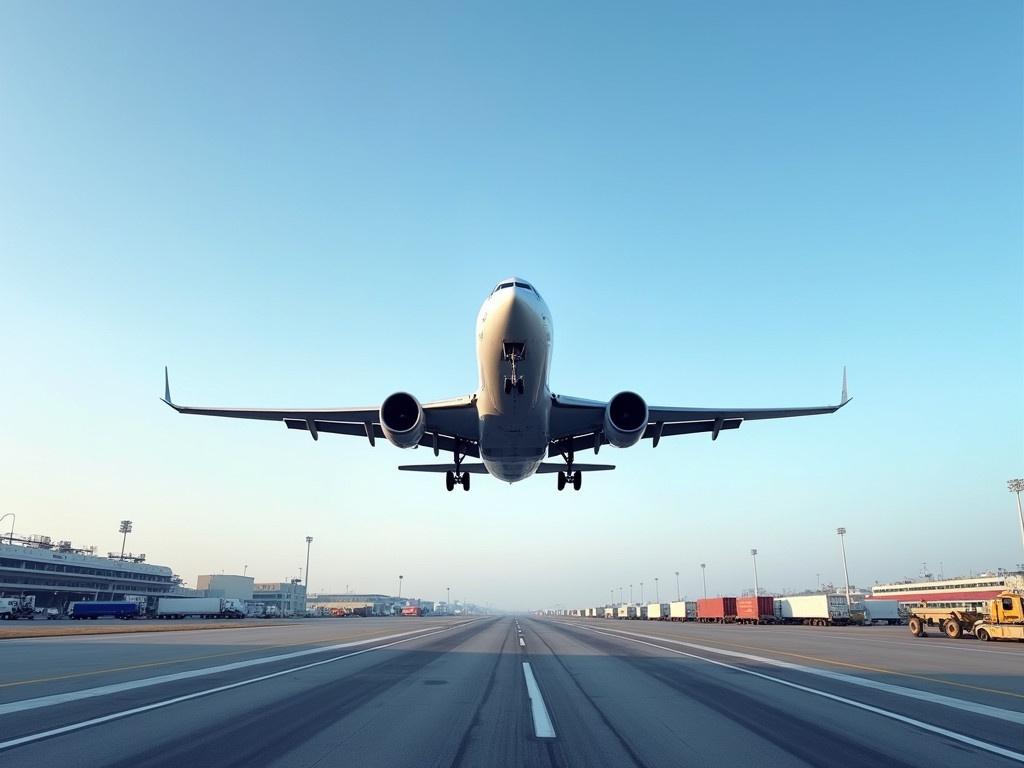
[[513, 426]]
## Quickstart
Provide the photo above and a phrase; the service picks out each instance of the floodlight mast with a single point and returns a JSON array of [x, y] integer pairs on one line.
[[1016, 486]]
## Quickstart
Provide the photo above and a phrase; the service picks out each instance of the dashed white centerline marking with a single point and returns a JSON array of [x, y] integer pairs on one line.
[[542, 726]]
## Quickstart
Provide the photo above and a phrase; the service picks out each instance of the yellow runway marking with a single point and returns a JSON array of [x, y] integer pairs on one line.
[[151, 664]]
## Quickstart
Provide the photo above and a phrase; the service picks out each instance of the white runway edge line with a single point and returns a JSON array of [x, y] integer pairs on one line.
[[542, 726], [964, 705], [58, 698], [983, 745]]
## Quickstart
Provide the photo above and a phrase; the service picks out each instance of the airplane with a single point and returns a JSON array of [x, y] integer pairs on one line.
[[513, 421]]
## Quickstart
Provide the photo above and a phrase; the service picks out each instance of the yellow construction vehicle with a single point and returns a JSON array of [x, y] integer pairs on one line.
[[1003, 619]]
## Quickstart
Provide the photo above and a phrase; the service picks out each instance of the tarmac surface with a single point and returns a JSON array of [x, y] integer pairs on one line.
[[515, 691]]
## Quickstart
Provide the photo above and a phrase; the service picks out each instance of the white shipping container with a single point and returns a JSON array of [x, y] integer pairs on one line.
[[658, 611], [677, 611], [189, 606], [813, 607], [882, 610]]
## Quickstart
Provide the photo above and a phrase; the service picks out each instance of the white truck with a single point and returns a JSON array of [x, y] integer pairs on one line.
[[658, 612], [199, 607], [814, 610], [626, 612], [882, 612], [17, 607]]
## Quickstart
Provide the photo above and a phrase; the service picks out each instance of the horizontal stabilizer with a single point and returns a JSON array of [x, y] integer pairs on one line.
[[550, 469], [473, 469]]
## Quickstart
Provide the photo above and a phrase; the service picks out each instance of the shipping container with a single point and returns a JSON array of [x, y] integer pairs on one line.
[[815, 610], [609, 612], [626, 612], [95, 609], [658, 611], [677, 611], [200, 607], [759, 610], [412, 610], [716, 609], [882, 612]]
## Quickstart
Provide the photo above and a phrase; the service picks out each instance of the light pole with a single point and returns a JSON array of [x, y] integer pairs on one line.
[[753, 556], [126, 528], [657, 594], [620, 595], [630, 594], [679, 595], [641, 591], [309, 541], [245, 569], [13, 518], [611, 596], [842, 540], [819, 581], [704, 578], [400, 586], [1015, 486], [448, 602]]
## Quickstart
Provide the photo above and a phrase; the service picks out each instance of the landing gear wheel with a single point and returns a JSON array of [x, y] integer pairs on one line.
[[561, 480], [954, 630], [449, 480], [520, 387], [577, 480], [508, 386], [916, 629], [465, 481]]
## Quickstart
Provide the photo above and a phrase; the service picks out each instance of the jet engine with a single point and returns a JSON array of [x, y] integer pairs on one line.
[[402, 420], [625, 419]]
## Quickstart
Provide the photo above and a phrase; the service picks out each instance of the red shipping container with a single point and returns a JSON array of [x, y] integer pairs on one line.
[[716, 608], [746, 608]]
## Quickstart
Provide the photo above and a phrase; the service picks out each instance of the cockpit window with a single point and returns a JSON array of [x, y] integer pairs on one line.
[[527, 286], [515, 284]]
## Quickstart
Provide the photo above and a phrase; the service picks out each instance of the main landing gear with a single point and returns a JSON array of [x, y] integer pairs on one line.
[[458, 477], [570, 476], [513, 352]]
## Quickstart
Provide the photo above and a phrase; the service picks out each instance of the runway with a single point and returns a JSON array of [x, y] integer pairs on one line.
[[511, 691]]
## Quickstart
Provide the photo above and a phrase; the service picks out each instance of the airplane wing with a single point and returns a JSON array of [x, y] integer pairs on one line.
[[449, 423], [578, 423]]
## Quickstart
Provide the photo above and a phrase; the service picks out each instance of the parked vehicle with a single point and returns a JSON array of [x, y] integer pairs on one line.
[[99, 609], [609, 612], [412, 610], [882, 612], [626, 612], [1003, 619], [658, 611], [814, 610], [716, 609], [199, 607], [12, 608], [755, 610]]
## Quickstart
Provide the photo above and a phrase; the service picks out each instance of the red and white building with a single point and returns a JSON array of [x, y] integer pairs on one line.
[[962, 592]]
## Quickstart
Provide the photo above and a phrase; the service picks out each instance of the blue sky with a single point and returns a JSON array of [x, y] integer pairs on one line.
[[721, 207]]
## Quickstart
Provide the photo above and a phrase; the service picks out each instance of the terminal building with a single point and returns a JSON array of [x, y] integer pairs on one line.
[[965, 592], [288, 597], [57, 573]]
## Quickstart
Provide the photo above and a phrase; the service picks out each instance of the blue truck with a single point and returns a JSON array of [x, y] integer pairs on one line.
[[94, 609]]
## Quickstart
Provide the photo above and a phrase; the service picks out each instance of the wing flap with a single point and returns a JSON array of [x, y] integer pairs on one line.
[[550, 469]]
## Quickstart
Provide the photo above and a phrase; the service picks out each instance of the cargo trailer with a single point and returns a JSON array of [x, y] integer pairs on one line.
[[626, 612], [814, 610], [755, 610], [677, 611], [716, 609], [882, 612], [609, 613], [199, 607], [96, 609], [658, 611]]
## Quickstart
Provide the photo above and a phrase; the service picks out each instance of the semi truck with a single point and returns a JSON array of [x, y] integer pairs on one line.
[[1002, 619], [718, 610], [882, 612], [98, 609], [755, 610], [199, 607], [814, 610], [12, 608], [658, 612]]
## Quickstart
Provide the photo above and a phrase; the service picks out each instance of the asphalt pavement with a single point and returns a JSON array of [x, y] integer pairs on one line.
[[511, 691]]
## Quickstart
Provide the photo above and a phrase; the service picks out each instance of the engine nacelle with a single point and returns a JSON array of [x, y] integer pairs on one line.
[[625, 419], [402, 420]]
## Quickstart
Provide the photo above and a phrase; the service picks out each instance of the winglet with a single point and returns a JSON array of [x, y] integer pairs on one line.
[[846, 397], [167, 389]]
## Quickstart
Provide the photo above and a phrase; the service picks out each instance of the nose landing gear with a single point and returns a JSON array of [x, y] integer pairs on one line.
[[513, 352]]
